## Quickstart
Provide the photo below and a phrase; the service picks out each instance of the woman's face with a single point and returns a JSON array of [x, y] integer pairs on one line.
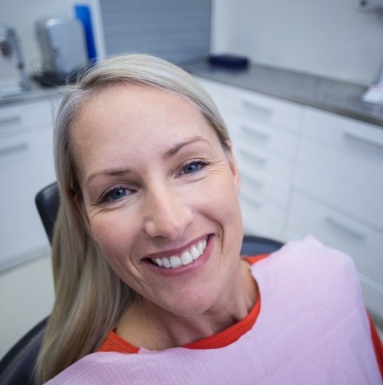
[[159, 196]]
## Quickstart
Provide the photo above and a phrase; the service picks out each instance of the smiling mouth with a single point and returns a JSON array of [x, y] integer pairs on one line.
[[187, 257]]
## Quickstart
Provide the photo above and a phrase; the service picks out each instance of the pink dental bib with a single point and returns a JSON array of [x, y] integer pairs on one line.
[[312, 329]]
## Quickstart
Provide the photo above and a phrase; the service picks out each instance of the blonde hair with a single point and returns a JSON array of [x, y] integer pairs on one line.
[[90, 297]]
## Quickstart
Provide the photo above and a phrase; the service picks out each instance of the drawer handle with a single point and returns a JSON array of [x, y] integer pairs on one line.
[[255, 134], [345, 227], [10, 120], [362, 139], [13, 148], [258, 160], [261, 111], [254, 182]]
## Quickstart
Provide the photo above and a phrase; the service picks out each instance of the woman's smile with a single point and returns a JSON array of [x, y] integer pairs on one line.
[[160, 196], [180, 258]]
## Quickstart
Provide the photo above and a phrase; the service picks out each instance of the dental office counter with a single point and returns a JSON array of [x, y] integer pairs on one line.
[[326, 94], [310, 154]]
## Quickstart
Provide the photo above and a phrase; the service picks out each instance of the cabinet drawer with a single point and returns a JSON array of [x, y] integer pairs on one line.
[[22, 116], [261, 184], [250, 157], [256, 105], [24, 157], [361, 242], [363, 203], [341, 132], [261, 217], [263, 107], [363, 171], [264, 135], [344, 148]]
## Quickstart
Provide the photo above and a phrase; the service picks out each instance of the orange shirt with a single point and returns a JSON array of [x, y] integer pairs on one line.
[[114, 343]]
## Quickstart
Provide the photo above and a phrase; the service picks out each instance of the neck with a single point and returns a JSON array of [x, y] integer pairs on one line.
[[146, 325]]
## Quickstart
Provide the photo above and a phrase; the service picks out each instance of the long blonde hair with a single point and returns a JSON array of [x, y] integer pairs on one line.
[[90, 297]]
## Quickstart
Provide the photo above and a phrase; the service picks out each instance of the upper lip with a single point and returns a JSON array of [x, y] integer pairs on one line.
[[176, 251]]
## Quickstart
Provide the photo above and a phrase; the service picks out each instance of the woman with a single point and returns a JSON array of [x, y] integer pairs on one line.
[[146, 252]]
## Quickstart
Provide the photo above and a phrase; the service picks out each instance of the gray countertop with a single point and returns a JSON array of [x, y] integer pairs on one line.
[[334, 96]]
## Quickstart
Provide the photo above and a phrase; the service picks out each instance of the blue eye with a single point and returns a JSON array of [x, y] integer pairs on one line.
[[115, 194], [193, 167]]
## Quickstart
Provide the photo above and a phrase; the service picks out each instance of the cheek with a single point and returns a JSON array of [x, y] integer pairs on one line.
[[113, 234], [221, 200]]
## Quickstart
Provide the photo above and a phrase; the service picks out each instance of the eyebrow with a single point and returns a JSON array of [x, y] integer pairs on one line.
[[168, 154], [177, 147], [108, 172]]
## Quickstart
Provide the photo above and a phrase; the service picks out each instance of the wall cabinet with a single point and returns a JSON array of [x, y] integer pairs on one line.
[[306, 171], [26, 165]]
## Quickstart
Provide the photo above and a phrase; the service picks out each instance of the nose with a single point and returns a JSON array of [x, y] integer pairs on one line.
[[168, 213]]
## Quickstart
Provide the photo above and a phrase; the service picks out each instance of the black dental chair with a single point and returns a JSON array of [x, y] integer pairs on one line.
[[16, 367]]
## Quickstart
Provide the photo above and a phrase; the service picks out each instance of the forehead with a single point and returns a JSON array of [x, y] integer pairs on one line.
[[125, 119], [125, 106]]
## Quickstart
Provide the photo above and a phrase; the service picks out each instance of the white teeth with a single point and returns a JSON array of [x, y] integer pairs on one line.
[[175, 262], [165, 263], [159, 261], [195, 253], [186, 257]]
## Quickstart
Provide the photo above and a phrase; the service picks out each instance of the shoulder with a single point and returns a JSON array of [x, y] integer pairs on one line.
[[310, 252], [310, 264]]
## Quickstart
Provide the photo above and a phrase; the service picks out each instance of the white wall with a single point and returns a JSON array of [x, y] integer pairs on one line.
[[23, 14], [327, 38]]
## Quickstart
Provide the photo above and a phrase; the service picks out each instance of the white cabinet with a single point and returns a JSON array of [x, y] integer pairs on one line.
[[26, 165], [265, 136], [338, 193], [306, 171]]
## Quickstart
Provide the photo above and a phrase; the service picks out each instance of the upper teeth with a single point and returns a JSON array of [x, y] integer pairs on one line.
[[185, 258]]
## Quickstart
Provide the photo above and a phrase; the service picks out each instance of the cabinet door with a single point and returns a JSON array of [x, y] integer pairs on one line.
[[26, 166], [336, 229], [341, 162], [24, 116], [346, 149]]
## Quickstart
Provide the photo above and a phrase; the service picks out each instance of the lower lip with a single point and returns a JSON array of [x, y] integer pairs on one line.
[[191, 267]]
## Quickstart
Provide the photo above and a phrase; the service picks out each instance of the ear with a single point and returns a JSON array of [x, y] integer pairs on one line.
[[233, 165]]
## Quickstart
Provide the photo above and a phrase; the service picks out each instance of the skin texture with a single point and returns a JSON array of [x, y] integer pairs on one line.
[[155, 180]]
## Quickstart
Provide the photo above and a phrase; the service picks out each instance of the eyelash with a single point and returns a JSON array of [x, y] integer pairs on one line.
[[193, 162], [107, 196]]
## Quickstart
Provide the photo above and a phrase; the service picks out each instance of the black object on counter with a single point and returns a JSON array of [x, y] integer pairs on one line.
[[229, 61], [50, 79]]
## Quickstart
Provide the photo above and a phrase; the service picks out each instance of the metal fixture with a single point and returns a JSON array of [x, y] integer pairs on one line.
[[9, 46]]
